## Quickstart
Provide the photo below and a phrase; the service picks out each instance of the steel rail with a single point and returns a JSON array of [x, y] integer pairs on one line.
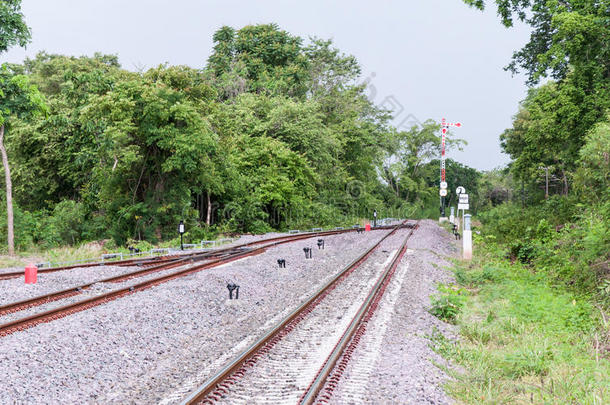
[[122, 263], [56, 313], [166, 258], [166, 265], [60, 312], [215, 381], [75, 290], [366, 310]]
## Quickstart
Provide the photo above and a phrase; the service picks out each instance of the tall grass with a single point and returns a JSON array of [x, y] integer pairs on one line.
[[523, 339]]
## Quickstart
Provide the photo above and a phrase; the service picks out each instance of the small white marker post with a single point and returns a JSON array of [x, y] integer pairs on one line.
[[467, 238], [452, 215]]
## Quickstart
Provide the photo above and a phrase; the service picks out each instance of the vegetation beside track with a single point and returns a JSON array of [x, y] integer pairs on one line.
[[532, 311], [532, 307]]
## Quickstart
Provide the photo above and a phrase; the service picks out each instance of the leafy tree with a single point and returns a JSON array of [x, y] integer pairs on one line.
[[273, 186], [18, 97], [495, 188], [55, 157], [569, 42], [332, 124], [592, 177], [550, 129], [156, 146], [330, 71], [409, 151], [266, 58], [13, 29], [564, 34]]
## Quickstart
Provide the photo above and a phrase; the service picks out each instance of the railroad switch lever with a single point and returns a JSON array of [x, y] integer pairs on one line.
[[320, 243], [360, 230], [308, 251], [233, 287], [281, 263], [133, 250]]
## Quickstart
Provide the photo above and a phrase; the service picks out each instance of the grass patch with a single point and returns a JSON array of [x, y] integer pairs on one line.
[[523, 339], [447, 303], [86, 251]]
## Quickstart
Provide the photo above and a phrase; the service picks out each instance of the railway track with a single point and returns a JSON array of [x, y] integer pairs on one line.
[[76, 290], [152, 261], [212, 259], [301, 359], [120, 263]]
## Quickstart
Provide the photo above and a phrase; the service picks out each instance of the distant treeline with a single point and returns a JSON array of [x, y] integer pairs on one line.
[[272, 133]]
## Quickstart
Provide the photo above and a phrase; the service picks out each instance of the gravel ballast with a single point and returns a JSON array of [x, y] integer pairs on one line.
[[157, 345], [393, 363], [144, 347], [284, 374], [15, 289]]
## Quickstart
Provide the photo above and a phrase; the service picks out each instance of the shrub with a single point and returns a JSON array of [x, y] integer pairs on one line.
[[447, 304], [69, 220], [478, 276]]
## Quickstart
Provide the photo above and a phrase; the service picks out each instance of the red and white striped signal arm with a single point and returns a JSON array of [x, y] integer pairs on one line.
[[444, 126]]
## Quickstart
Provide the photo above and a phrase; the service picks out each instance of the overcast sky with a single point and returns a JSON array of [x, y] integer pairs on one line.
[[424, 58]]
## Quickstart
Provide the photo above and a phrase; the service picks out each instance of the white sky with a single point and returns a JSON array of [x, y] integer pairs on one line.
[[428, 58]]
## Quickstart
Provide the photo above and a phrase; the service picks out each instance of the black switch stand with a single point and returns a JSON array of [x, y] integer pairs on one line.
[[233, 287]]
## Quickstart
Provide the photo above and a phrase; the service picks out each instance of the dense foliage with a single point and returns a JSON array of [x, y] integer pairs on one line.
[[561, 133], [272, 133], [532, 305], [524, 338]]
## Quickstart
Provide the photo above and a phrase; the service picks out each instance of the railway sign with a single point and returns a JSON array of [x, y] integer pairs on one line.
[[443, 192], [443, 184], [463, 202], [460, 190]]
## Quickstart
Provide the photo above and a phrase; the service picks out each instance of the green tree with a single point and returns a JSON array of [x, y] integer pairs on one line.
[[592, 178], [329, 121], [569, 42], [262, 57], [55, 157], [13, 29], [408, 152], [565, 35], [495, 187], [18, 97], [157, 144], [549, 131]]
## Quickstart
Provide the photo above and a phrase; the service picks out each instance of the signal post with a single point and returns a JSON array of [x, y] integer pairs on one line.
[[443, 184]]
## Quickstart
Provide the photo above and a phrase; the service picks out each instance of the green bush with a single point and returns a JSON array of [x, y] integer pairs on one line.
[[198, 233], [69, 220], [567, 241], [478, 276], [142, 245], [447, 304]]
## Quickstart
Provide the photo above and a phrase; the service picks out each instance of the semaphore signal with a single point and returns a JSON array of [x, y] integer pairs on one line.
[[443, 190]]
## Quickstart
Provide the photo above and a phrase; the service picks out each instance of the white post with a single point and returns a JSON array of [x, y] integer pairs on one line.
[[452, 216], [467, 238]]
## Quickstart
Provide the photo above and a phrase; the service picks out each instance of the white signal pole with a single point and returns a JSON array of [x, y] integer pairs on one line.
[[443, 184]]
